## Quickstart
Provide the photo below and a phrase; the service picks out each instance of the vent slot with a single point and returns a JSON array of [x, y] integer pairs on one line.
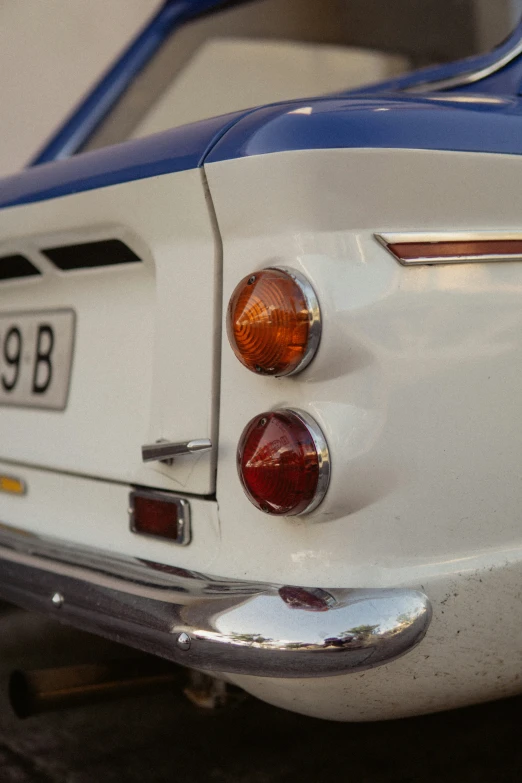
[[12, 267], [89, 255]]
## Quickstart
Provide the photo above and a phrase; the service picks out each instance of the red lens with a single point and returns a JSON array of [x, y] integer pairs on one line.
[[282, 466], [160, 515]]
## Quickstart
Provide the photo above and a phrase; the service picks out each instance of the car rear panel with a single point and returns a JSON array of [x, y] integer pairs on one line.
[[143, 344]]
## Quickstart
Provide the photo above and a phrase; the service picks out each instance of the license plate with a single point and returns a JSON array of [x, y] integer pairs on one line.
[[36, 350]]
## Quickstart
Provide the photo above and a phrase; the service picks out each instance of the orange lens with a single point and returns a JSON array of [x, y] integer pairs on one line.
[[273, 322]]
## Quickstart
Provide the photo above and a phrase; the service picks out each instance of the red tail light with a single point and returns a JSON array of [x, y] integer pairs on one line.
[[283, 463]]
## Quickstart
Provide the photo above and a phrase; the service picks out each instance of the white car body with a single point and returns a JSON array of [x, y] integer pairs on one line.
[[415, 385]]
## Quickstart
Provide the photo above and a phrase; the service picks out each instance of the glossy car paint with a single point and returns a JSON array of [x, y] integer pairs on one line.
[[134, 378], [180, 149], [94, 513], [416, 387], [443, 122], [470, 654], [84, 120], [416, 384], [416, 377]]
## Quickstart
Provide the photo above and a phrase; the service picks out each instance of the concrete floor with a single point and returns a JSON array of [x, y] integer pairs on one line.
[[162, 737]]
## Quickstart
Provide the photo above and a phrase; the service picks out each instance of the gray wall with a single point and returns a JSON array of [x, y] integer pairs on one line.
[[427, 30], [494, 20]]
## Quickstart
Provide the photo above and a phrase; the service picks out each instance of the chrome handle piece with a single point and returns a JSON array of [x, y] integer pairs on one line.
[[164, 451]]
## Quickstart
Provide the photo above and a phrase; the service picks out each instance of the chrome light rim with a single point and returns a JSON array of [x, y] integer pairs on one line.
[[314, 315], [323, 456]]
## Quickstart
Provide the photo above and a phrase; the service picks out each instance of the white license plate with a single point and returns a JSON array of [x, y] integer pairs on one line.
[[36, 351]]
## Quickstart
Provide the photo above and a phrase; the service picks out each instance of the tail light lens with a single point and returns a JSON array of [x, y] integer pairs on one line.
[[273, 322], [161, 515], [283, 462]]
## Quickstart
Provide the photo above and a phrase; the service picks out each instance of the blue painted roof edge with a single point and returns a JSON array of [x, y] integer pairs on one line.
[[434, 122], [174, 150], [448, 122]]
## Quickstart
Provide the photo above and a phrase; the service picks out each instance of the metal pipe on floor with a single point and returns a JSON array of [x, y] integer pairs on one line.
[[44, 690]]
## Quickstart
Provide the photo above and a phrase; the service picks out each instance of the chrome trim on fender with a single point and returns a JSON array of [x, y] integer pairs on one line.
[[209, 623], [496, 239]]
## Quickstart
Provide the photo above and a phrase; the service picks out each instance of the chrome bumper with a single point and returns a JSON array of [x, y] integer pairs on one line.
[[209, 623]]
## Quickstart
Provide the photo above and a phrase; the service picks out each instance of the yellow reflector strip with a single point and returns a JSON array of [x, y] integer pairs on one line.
[[12, 485]]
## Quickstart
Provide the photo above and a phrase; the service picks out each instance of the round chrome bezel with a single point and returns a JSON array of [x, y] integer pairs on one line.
[[323, 455], [314, 314]]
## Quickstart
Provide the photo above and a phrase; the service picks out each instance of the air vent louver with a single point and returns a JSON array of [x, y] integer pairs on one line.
[[88, 255], [12, 267]]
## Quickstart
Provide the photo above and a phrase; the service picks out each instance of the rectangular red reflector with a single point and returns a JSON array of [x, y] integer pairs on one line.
[[160, 515]]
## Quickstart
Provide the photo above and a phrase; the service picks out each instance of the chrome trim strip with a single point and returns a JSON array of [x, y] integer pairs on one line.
[[183, 515], [469, 77], [314, 332], [221, 625], [387, 240]]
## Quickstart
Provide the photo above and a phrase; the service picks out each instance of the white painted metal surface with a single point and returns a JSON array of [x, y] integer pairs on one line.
[[416, 385], [145, 356], [472, 653], [417, 378], [95, 513]]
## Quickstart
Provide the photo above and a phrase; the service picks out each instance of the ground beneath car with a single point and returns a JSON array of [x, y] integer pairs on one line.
[[162, 737]]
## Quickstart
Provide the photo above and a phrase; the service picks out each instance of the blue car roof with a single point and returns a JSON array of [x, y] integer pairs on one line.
[[433, 122]]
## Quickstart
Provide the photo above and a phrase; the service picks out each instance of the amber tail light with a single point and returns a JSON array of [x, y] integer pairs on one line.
[[273, 322], [283, 462]]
